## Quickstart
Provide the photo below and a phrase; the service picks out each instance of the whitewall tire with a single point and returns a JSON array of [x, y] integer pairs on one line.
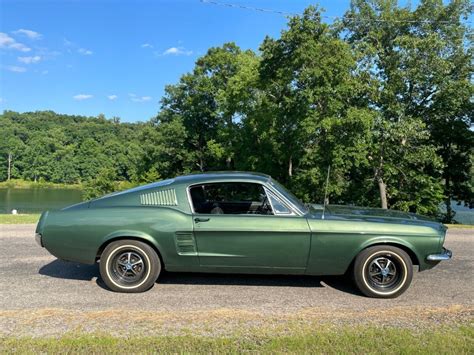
[[129, 266], [383, 271]]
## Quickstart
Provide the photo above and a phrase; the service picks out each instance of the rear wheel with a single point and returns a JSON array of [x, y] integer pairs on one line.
[[383, 271], [129, 266]]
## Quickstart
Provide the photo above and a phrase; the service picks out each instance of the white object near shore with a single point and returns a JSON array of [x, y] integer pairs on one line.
[[14, 211]]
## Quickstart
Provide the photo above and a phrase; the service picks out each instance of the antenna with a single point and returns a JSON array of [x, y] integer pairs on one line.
[[326, 192]]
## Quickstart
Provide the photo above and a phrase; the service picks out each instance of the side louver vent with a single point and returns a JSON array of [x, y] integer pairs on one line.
[[159, 198], [185, 243]]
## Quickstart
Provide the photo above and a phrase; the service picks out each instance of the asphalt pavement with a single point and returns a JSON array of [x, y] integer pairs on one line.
[[33, 281]]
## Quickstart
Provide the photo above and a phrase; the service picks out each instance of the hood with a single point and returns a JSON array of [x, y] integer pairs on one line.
[[374, 212], [338, 212]]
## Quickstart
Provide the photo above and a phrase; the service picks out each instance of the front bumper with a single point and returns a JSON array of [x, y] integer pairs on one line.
[[38, 239], [445, 255]]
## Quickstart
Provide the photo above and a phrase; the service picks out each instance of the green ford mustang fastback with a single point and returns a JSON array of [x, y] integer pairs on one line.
[[233, 222]]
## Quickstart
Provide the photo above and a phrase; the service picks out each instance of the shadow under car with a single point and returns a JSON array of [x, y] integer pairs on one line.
[[75, 271]]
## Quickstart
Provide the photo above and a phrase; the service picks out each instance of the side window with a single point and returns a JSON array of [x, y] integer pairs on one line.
[[230, 198], [277, 205]]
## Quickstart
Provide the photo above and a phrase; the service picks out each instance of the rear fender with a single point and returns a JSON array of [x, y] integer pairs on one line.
[[133, 234], [41, 222]]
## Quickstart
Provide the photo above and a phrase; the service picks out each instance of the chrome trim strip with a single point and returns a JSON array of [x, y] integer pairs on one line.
[[445, 255], [284, 199], [190, 201], [268, 192], [273, 188]]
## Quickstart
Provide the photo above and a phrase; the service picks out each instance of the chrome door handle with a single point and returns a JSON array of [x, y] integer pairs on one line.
[[201, 219]]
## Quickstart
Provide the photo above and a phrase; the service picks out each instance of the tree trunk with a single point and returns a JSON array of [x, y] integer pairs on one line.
[[383, 193], [449, 210], [381, 183], [9, 166], [290, 167], [201, 164]]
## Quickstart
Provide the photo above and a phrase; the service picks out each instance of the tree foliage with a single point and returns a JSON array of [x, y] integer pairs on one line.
[[67, 149], [421, 64]]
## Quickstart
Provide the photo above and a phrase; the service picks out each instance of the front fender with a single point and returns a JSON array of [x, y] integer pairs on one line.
[[419, 246], [332, 253], [392, 240]]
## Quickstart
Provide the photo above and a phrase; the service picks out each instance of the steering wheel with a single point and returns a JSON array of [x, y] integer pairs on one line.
[[265, 207]]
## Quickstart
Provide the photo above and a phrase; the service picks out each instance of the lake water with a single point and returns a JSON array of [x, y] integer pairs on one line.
[[37, 200], [42, 199]]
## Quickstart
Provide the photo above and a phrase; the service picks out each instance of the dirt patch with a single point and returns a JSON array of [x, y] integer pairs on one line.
[[220, 322]]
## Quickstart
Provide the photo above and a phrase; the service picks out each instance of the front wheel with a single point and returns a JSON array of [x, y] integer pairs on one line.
[[383, 271], [129, 266]]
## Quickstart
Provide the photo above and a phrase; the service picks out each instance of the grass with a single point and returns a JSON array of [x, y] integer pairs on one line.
[[24, 184], [460, 226], [19, 218], [360, 339]]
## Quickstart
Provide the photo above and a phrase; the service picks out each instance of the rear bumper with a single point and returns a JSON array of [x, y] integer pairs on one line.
[[39, 240], [445, 255]]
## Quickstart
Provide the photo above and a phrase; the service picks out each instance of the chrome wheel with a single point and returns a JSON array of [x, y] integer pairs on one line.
[[128, 267], [383, 272]]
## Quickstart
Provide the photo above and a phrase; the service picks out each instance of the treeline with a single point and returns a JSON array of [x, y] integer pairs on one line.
[[383, 96], [67, 149]]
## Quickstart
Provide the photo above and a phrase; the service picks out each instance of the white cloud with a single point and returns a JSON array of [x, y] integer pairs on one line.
[[7, 42], [112, 97], [29, 60], [136, 98], [1, 100], [28, 33], [177, 51], [81, 97], [84, 51], [46, 53], [67, 42], [147, 45], [15, 69], [44, 72], [20, 46], [74, 47]]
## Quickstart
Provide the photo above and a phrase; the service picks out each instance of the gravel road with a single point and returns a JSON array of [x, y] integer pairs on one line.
[[36, 286]]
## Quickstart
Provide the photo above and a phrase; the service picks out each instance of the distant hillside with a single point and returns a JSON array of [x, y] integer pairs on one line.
[[67, 149]]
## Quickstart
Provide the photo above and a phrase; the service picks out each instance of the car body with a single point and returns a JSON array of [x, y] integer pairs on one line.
[[237, 222]]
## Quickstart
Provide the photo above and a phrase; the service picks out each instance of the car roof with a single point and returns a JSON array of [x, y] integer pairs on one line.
[[222, 176], [191, 179]]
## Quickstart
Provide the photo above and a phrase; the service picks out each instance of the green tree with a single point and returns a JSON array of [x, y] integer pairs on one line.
[[312, 111], [207, 102], [102, 184], [409, 55]]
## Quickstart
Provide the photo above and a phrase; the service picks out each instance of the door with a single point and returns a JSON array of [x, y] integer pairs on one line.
[[243, 226]]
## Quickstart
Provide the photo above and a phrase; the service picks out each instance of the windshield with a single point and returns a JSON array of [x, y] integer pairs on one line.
[[288, 195]]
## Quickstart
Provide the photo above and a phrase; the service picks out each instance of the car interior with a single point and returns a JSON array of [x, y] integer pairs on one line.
[[230, 198]]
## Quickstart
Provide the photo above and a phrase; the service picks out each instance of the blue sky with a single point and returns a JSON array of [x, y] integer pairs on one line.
[[115, 57]]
